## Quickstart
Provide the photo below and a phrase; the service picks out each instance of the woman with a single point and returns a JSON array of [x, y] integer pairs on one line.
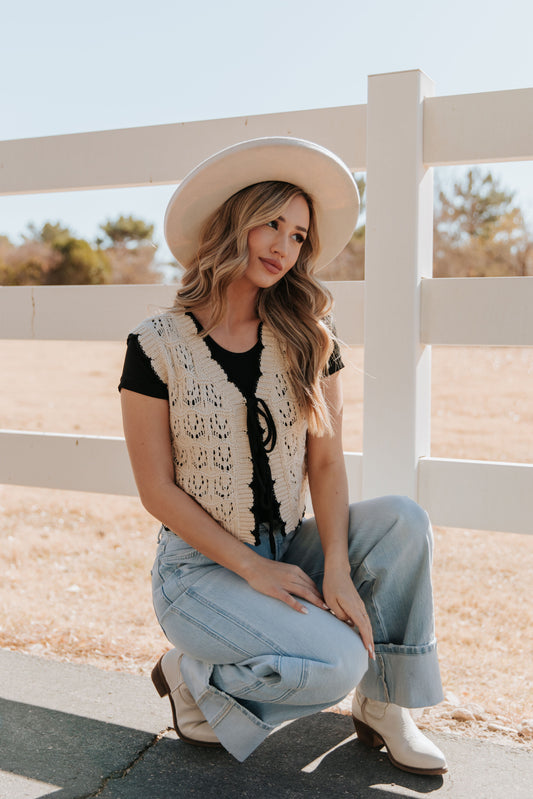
[[232, 405]]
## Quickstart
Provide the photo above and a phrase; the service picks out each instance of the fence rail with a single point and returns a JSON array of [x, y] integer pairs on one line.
[[163, 154], [397, 314]]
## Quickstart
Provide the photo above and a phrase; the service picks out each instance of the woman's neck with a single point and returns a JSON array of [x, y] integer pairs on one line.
[[238, 329]]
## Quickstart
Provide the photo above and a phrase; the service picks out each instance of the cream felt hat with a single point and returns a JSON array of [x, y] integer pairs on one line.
[[319, 172]]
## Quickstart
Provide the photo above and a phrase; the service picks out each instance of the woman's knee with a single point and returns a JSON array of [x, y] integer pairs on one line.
[[353, 663], [411, 515], [398, 517], [341, 670], [414, 526]]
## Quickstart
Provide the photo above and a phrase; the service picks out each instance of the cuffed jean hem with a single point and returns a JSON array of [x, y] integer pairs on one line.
[[238, 730], [404, 675]]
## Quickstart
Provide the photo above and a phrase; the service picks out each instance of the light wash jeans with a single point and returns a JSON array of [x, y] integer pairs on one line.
[[251, 662]]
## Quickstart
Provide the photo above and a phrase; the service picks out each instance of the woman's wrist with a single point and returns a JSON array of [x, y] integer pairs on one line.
[[246, 563], [337, 561]]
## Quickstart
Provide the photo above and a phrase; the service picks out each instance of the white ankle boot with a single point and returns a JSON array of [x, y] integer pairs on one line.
[[168, 680], [383, 724]]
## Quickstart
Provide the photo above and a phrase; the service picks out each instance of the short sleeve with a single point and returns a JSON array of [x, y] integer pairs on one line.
[[335, 363], [138, 373]]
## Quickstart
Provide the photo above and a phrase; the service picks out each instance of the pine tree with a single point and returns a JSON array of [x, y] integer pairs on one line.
[[479, 230]]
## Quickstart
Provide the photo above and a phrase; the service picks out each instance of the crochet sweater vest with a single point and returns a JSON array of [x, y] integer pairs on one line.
[[211, 451]]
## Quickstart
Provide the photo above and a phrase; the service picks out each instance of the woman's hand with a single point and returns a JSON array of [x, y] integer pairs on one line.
[[285, 581], [344, 601]]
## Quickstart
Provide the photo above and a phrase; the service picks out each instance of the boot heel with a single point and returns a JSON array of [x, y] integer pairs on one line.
[[158, 679], [367, 735]]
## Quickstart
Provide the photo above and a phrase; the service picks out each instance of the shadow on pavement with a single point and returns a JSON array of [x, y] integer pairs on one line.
[[47, 753]]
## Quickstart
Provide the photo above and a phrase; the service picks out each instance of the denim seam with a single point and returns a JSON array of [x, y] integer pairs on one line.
[[206, 629], [406, 649], [225, 710], [191, 592], [259, 683], [182, 583], [215, 609], [246, 689], [287, 694], [290, 692], [372, 580], [304, 673], [168, 598], [379, 660], [382, 676], [228, 707], [175, 558]]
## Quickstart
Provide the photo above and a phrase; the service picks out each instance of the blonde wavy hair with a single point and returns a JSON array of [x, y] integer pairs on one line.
[[295, 309]]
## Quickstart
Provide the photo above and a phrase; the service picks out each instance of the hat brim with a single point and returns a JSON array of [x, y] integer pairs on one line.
[[315, 170]]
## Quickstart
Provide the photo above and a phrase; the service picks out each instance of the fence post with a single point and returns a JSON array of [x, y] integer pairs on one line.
[[399, 224]]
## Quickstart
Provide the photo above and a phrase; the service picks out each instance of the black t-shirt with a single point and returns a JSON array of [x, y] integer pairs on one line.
[[242, 368]]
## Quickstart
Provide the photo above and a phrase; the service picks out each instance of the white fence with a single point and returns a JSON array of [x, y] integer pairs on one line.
[[398, 313]]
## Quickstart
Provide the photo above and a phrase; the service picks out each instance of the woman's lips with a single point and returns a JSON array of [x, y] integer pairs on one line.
[[274, 267]]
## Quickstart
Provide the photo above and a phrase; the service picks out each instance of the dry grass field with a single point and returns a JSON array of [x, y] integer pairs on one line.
[[75, 567]]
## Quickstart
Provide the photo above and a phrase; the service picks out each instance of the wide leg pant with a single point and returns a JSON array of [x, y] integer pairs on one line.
[[252, 662]]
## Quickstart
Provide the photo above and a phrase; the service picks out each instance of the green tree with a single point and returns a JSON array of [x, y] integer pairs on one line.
[[127, 231], [79, 264], [27, 265], [51, 255], [55, 235], [131, 251], [479, 230], [474, 208]]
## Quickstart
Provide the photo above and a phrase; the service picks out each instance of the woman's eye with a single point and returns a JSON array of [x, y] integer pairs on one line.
[[273, 224], [299, 238]]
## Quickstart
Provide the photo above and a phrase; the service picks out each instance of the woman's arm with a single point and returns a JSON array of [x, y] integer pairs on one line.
[[147, 432], [329, 493]]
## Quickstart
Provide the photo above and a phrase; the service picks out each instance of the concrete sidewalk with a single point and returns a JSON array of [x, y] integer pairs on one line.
[[73, 732]]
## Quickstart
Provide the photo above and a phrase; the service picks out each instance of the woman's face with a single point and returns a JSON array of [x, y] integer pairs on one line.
[[273, 248]]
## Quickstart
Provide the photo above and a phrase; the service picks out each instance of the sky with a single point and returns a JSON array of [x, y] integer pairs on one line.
[[68, 67]]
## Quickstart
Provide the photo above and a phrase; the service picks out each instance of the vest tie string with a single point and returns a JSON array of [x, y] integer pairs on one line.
[[261, 441]]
